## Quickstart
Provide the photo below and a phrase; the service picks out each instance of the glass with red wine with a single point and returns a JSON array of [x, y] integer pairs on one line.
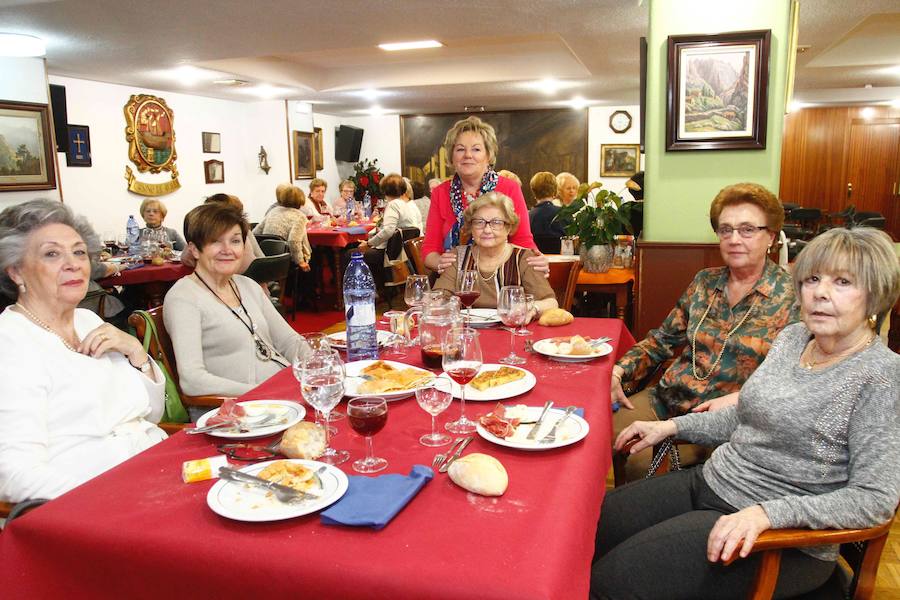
[[462, 360], [367, 416], [467, 290]]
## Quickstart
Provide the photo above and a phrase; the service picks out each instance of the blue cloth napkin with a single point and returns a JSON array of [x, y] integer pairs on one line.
[[137, 265], [579, 412], [353, 229], [374, 501]]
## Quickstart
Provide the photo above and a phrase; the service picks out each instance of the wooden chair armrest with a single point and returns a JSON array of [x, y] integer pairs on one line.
[[5, 507], [171, 428]]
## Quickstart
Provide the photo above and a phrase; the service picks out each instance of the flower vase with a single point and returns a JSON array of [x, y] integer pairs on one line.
[[597, 259]]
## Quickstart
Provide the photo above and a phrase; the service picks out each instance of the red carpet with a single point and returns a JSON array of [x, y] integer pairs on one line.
[[315, 321]]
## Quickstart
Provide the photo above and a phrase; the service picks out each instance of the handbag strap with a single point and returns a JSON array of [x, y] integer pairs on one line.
[[667, 446], [150, 333]]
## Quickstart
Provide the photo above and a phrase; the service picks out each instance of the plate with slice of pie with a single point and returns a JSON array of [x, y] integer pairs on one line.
[[386, 378], [496, 382]]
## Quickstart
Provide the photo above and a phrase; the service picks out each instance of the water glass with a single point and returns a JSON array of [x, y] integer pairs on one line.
[[434, 399], [512, 308], [529, 303], [321, 376], [461, 360], [367, 416], [416, 286], [319, 341]]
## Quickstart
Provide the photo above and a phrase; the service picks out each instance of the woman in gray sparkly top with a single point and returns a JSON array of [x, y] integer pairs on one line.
[[813, 442]]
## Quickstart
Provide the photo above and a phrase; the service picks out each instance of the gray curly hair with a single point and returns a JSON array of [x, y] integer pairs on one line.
[[19, 221]]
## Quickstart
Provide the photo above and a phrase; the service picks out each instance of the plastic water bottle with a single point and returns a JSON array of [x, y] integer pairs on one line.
[[133, 236], [351, 209], [359, 304]]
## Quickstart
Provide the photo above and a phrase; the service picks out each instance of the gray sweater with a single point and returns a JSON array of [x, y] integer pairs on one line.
[[816, 449], [214, 352]]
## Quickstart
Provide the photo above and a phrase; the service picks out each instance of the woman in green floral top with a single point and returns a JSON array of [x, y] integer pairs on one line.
[[723, 324]]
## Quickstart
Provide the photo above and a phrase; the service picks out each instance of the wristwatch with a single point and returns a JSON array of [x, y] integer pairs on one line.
[[147, 367]]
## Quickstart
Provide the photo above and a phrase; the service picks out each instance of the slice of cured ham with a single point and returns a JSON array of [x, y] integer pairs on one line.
[[229, 412], [497, 424]]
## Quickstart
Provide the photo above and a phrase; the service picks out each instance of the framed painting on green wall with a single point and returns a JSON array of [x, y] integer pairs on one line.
[[717, 91]]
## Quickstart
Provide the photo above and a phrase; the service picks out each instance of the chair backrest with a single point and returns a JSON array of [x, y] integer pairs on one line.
[[413, 249], [271, 247], [267, 236], [548, 244], [270, 268], [876, 222], [806, 216], [563, 279]]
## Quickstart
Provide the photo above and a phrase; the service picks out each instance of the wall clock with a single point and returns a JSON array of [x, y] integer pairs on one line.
[[620, 121]]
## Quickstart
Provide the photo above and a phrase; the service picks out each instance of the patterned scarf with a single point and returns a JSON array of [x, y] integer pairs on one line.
[[488, 183]]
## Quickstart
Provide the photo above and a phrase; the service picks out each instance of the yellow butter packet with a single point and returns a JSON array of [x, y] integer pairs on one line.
[[203, 468]]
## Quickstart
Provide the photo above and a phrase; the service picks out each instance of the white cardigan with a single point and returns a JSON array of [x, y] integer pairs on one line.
[[67, 417]]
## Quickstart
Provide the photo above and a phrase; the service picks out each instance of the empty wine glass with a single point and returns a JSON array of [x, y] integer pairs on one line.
[[321, 376], [319, 341], [529, 304], [512, 308], [434, 399], [467, 290], [461, 361], [416, 286], [367, 417]]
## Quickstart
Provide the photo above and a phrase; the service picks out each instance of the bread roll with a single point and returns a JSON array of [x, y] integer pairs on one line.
[[303, 440], [556, 317], [480, 474]]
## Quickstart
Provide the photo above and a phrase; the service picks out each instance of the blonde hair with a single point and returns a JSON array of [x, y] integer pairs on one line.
[[563, 177], [475, 125], [316, 183], [492, 200], [543, 185], [280, 190], [148, 202], [509, 175], [867, 253], [347, 183]]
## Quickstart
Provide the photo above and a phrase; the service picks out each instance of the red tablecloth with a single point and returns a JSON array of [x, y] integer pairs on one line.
[[148, 274], [138, 532], [334, 237]]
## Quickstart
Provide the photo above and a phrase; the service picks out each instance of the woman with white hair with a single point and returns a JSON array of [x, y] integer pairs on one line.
[[567, 185]]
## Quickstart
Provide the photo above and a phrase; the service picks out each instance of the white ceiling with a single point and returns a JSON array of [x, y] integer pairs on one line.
[[495, 53]]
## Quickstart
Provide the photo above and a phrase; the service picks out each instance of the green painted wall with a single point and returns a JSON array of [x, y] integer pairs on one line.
[[681, 185]]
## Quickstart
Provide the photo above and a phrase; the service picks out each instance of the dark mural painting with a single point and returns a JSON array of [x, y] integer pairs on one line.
[[530, 141]]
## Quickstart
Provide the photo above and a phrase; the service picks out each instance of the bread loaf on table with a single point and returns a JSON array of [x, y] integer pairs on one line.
[[479, 474], [556, 317], [303, 440]]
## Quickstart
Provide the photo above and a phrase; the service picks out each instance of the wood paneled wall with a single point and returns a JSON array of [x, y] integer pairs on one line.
[[814, 154]]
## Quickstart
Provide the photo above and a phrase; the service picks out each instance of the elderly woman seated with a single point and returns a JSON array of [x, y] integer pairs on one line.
[[813, 442], [287, 221], [153, 211], [227, 335], [77, 395], [491, 220]]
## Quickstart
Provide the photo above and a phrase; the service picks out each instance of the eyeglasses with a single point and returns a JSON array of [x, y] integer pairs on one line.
[[747, 231], [495, 224]]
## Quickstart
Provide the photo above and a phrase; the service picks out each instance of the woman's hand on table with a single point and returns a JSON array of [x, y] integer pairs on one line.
[[616, 393], [647, 434], [734, 530], [107, 338], [539, 263], [717, 403]]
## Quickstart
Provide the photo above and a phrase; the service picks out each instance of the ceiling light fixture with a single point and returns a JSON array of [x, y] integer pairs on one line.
[[410, 45], [473, 109], [578, 102], [868, 112], [231, 82], [21, 45]]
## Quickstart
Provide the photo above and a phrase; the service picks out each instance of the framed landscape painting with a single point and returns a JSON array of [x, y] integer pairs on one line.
[[717, 91], [620, 160], [26, 156]]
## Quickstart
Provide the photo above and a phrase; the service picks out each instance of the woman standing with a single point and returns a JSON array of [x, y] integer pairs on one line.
[[813, 443], [471, 145], [226, 333]]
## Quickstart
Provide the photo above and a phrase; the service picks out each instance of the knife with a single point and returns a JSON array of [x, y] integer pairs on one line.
[[537, 425], [551, 437], [282, 492], [457, 454]]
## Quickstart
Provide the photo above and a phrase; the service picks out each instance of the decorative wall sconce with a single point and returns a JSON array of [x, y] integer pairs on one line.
[[264, 160]]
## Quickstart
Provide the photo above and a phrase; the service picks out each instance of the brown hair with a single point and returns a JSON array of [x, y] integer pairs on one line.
[[205, 223], [393, 185], [543, 185], [475, 125], [227, 199], [316, 183], [292, 197], [748, 193]]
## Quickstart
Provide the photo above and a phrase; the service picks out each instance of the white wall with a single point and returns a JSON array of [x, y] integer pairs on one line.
[[599, 133]]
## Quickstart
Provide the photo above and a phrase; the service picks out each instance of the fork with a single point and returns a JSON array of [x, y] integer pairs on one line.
[[440, 457], [243, 426], [283, 493], [551, 436]]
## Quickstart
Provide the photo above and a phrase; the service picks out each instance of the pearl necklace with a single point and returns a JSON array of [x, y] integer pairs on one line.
[[43, 325], [813, 348]]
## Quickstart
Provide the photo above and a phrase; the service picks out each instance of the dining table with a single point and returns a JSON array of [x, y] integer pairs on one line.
[[138, 531], [337, 238], [147, 284]]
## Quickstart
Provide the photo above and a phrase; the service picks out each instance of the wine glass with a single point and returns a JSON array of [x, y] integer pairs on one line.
[[321, 376], [461, 361], [467, 290], [529, 308], [319, 341], [416, 286], [367, 417], [396, 347], [512, 308], [434, 399]]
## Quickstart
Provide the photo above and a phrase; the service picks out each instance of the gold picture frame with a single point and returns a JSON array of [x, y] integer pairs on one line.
[[620, 160], [320, 154], [150, 132], [304, 155], [35, 168]]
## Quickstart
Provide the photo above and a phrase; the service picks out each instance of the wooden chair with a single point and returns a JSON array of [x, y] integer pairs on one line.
[[563, 279], [395, 276], [413, 248], [164, 353]]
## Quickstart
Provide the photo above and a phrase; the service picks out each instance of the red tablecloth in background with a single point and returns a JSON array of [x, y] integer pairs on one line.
[[148, 274], [137, 531], [334, 237]]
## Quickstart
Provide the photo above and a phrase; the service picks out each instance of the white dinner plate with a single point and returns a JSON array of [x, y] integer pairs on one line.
[[338, 340], [289, 413], [501, 392], [243, 502], [573, 430], [545, 347], [482, 317], [351, 384]]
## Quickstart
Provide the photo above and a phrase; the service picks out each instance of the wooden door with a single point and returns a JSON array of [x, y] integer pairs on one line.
[[873, 169]]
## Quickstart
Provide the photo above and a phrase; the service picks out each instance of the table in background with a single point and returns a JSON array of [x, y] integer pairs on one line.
[[619, 282], [337, 238], [137, 531], [149, 283]]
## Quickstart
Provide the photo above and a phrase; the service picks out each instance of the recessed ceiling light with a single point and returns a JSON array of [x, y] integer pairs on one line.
[[410, 45], [473, 109], [578, 102], [18, 44], [189, 75], [868, 112], [231, 82]]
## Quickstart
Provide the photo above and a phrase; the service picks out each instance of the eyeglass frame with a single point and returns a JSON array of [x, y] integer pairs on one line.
[[495, 224], [745, 230]]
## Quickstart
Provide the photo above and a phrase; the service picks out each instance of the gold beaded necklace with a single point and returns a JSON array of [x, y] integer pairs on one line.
[[43, 325], [724, 343], [813, 349]]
